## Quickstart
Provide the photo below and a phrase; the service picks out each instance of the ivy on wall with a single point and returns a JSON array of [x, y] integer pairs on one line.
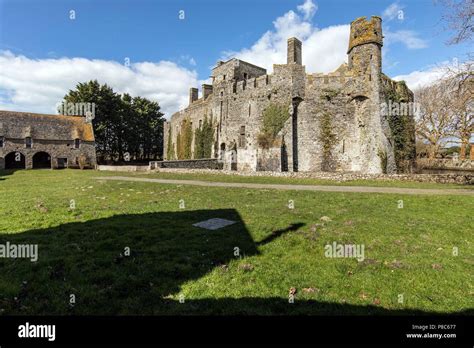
[[327, 138], [383, 160], [402, 128], [274, 118], [184, 140], [204, 139], [170, 148]]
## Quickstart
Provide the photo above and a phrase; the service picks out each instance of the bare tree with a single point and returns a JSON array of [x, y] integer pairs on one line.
[[435, 121], [458, 16], [459, 82]]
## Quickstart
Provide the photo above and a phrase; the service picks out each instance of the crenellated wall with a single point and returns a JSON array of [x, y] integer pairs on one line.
[[334, 120]]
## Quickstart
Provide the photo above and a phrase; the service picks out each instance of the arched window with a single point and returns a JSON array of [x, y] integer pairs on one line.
[[28, 142]]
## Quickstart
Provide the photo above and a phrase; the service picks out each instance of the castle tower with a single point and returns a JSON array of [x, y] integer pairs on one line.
[[294, 51], [365, 46], [365, 62]]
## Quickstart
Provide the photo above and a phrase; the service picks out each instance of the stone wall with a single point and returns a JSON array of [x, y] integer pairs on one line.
[[131, 168], [334, 120], [55, 135], [451, 164], [205, 163], [462, 179]]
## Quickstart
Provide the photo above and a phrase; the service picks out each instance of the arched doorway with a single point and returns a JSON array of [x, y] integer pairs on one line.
[[41, 160], [222, 152], [15, 160]]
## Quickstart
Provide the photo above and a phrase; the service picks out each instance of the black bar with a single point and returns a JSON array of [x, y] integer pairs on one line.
[[258, 330]]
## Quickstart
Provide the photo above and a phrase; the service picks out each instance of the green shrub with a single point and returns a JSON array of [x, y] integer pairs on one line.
[[203, 139], [274, 118]]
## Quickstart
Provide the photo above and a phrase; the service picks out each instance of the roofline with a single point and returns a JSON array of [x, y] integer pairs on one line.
[[37, 114], [240, 60]]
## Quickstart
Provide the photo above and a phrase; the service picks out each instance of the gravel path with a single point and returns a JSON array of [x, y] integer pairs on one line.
[[363, 189]]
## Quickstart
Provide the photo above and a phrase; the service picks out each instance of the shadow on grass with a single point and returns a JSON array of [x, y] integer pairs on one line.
[[86, 259], [5, 172]]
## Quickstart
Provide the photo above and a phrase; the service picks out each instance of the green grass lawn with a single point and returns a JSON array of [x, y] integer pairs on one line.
[[408, 251], [216, 176]]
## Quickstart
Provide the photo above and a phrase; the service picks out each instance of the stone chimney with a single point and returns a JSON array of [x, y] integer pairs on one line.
[[206, 91], [294, 51], [193, 95]]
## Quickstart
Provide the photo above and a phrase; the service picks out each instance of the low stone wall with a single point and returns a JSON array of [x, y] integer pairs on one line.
[[123, 168], [450, 164], [342, 177], [204, 163]]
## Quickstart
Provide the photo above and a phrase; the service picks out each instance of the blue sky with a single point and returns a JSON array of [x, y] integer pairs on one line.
[[40, 42]]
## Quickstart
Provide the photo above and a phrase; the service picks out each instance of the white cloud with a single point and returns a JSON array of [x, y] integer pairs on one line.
[[323, 49], [409, 38], [395, 10], [308, 8], [421, 78], [38, 85]]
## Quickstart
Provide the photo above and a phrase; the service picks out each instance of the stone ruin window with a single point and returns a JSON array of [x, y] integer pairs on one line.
[[28, 142], [223, 77], [77, 143], [2, 141], [245, 76], [200, 124], [242, 140]]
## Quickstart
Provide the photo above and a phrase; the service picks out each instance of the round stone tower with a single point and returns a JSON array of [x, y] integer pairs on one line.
[[365, 45]]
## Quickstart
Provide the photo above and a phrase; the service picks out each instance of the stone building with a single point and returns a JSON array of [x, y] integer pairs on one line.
[[30, 140], [334, 122]]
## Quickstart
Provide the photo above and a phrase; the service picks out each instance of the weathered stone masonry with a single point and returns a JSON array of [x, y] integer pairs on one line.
[[30, 140], [334, 120]]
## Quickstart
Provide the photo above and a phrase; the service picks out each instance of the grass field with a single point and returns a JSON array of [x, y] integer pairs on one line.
[[213, 176], [409, 265]]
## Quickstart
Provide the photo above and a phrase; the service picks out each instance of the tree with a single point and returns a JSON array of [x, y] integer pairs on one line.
[[122, 123], [458, 16], [107, 105], [435, 119], [463, 109]]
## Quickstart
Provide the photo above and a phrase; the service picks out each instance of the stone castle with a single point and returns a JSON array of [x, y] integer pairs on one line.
[[29, 140], [331, 122]]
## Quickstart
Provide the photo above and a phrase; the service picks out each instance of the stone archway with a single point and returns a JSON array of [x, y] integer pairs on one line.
[[41, 160], [15, 160]]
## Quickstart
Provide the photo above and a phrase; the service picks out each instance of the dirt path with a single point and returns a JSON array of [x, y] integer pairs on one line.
[[363, 189]]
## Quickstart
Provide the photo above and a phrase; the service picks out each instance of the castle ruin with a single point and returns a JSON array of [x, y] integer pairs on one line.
[[292, 120]]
